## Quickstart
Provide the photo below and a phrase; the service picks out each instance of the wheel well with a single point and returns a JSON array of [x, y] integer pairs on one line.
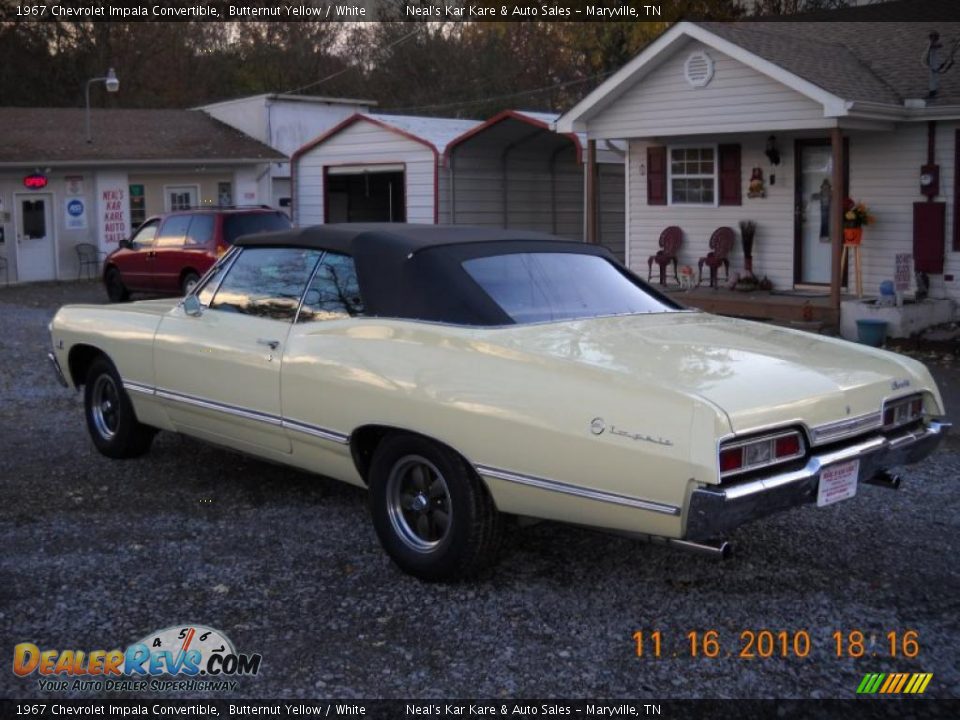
[[188, 271], [79, 361], [365, 440]]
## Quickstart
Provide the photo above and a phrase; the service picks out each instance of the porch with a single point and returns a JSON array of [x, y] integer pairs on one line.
[[811, 307]]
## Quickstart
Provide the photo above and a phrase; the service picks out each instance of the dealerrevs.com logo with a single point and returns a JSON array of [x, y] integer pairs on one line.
[[201, 658]]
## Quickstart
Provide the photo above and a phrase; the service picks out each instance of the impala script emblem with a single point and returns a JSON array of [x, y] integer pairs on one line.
[[597, 426]]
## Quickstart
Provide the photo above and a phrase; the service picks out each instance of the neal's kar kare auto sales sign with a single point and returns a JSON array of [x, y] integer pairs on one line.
[[113, 209]]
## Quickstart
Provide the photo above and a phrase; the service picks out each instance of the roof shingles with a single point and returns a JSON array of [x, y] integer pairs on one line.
[[58, 135]]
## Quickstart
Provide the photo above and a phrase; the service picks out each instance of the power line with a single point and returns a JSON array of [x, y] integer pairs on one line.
[[523, 93], [348, 68]]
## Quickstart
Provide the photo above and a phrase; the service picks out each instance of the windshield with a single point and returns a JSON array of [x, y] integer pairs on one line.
[[235, 226], [541, 287]]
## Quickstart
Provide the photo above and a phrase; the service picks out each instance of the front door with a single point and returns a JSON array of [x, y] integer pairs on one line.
[[814, 188], [35, 243]]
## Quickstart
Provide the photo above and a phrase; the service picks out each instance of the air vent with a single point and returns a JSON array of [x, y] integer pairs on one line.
[[698, 69]]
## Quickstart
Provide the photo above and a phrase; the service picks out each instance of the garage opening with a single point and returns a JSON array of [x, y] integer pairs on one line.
[[359, 193]]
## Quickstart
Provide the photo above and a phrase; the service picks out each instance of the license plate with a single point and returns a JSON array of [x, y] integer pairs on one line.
[[838, 482]]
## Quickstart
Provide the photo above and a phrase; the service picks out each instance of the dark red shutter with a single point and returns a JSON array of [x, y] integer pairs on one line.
[[729, 175], [656, 176]]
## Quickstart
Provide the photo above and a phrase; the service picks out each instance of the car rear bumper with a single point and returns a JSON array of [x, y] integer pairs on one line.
[[715, 510]]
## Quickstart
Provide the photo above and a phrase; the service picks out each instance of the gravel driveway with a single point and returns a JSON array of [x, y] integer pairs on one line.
[[99, 553]]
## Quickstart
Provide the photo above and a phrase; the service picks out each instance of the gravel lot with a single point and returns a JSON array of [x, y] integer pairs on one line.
[[98, 553]]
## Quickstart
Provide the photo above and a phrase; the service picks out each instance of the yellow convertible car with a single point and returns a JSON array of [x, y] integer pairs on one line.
[[462, 374]]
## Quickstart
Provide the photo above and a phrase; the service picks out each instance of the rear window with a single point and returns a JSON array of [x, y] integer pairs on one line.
[[543, 287], [240, 224]]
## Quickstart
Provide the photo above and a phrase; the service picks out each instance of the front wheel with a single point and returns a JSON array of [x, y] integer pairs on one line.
[[116, 290], [432, 513], [111, 421]]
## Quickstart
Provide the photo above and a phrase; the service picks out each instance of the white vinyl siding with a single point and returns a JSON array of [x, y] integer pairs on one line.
[[773, 247], [359, 144], [737, 99], [885, 174]]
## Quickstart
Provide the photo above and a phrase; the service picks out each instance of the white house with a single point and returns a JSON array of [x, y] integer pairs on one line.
[[285, 122], [816, 111]]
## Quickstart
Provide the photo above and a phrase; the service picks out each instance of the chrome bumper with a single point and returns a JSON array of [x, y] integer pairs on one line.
[[715, 510], [59, 371]]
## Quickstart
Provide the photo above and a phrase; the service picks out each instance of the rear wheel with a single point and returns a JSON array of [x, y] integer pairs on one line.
[[433, 515], [111, 421], [116, 290], [189, 282]]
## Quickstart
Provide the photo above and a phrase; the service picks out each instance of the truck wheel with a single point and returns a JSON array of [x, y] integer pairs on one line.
[[111, 421], [432, 513]]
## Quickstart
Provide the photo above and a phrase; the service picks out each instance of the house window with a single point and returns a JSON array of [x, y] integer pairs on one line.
[[138, 206], [693, 176]]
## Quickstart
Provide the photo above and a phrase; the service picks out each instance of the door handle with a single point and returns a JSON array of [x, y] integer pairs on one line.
[[272, 344]]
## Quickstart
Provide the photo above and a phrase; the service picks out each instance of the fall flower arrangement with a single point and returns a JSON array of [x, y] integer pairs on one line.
[[856, 214]]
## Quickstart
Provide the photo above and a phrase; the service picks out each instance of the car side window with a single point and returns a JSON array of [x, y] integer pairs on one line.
[[201, 230], [266, 282], [174, 231], [145, 236], [334, 291]]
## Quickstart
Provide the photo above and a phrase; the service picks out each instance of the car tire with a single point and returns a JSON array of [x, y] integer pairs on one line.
[[111, 420], [432, 513], [188, 282], [116, 290]]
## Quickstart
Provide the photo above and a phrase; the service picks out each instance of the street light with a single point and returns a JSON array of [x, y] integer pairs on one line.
[[112, 83]]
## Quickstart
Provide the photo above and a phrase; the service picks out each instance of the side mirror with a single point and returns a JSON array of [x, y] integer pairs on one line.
[[192, 306], [126, 244]]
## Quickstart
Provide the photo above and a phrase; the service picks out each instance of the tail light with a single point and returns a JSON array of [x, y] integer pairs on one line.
[[902, 411], [740, 456]]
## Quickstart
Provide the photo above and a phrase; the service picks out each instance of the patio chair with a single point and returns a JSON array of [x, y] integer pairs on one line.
[[88, 259], [721, 243], [670, 240]]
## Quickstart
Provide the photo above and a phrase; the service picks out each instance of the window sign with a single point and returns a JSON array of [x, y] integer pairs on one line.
[[138, 205], [73, 184], [75, 214]]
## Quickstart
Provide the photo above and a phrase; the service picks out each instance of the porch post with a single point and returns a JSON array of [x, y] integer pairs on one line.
[[836, 219], [592, 192]]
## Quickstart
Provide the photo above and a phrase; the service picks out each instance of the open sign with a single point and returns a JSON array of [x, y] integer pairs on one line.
[[36, 181]]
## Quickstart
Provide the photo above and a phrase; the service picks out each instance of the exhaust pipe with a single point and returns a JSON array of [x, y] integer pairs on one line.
[[720, 550], [885, 479]]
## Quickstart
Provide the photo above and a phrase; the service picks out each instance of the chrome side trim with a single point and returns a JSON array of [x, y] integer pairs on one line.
[[218, 406], [246, 413], [61, 378], [567, 489], [316, 431], [138, 388]]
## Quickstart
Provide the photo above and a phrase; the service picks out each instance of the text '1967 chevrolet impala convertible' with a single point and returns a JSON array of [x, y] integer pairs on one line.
[[462, 374]]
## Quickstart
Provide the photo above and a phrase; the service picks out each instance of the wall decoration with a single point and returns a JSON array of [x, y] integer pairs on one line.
[[756, 189]]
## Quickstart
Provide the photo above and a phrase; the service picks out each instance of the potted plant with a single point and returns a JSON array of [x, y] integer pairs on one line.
[[748, 229], [855, 216]]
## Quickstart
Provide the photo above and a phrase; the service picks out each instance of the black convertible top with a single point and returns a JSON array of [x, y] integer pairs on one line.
[[415, 271]]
